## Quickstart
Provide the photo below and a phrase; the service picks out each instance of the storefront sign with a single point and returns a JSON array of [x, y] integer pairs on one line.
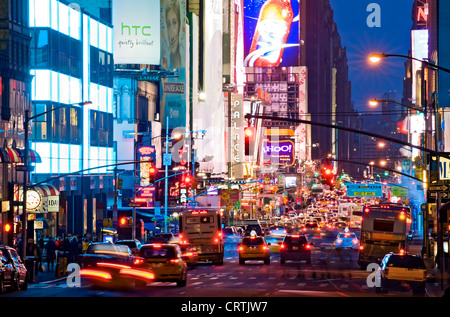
[[237, 134]]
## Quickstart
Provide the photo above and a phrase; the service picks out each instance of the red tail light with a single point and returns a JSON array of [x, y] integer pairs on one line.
[[361, 247], [97, 274], [175, 261], [241, 248], [138, 261], [308, 246], [282, 246]]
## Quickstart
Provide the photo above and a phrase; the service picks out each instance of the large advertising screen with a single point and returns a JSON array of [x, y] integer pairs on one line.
[[173, 57], [136, 32], [271, 33]]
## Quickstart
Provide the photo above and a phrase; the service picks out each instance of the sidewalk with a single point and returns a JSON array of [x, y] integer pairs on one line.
[[47, 276]]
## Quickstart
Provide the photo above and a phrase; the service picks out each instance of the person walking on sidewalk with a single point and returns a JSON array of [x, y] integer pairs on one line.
[[51, 254]]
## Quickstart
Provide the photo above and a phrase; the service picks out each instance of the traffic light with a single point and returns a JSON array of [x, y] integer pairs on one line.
[[249, 133], [125, 221], [328, 176], [152, 174], [119, 183], [187, 181]]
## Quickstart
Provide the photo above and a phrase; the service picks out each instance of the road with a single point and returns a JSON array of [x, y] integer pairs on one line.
[[329, 275]]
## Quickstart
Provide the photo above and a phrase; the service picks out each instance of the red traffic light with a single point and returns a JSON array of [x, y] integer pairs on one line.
[[123, 221], [7, 227], [152, 170], [248, 132], [187, 179], [327, 171]]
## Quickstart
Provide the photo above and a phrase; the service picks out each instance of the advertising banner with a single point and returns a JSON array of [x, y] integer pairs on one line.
[[137, 35], [281, 152], [173, 57], [271, 33], [364, 190]]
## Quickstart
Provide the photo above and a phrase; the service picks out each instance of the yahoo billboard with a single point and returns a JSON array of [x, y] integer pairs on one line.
[[281, 152]]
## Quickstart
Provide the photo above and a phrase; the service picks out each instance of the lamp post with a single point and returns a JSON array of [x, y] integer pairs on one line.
[[374, 58], [27, 121]]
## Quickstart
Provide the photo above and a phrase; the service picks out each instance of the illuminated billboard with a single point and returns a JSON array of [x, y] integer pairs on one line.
[[173, 57], [136, 32], [271, 33], [281, 152]]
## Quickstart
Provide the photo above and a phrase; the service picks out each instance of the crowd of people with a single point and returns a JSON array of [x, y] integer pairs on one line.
[[49, 250]]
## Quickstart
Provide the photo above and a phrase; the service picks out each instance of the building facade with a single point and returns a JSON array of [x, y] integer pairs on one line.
[[72, 67]]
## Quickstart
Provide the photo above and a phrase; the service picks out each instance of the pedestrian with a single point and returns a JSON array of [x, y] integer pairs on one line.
[[73, 250], [51, 254], [32, 252]]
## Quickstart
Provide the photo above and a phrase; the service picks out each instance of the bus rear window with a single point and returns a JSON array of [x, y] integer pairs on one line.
[[207, 219], [383, 225]]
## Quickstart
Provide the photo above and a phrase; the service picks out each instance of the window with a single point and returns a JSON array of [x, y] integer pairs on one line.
[[101, 125], [75, 126], [383, 225], [102, 67]]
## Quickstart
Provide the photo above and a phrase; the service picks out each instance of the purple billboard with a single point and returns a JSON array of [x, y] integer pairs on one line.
[[281, 152]]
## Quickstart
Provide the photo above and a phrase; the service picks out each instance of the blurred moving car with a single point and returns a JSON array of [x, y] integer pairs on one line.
[[295, 248], [311, 226], [165, 261], [254, 247], [112, 265], [189, 254], [402, 270], [346, 240], [277, 231], [13, 272], [253, 227], [162, 238], [339, 225], [134, 245], [231, 234]]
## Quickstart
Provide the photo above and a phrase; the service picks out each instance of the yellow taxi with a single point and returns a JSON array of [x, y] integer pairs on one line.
[[254, 247], [165, 261]]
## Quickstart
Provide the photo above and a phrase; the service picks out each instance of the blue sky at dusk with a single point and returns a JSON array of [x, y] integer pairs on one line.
[[392, 37]]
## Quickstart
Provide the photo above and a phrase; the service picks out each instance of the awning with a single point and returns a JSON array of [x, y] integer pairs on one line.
[[50, 198], [14, 156], [33, 156], [4, 157]]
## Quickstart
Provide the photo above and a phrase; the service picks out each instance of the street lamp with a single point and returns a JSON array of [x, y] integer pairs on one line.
[[27, 121], [377, 57], [376, 102]]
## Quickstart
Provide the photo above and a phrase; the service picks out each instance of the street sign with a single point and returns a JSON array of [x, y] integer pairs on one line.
[[149, 77], [237, 205], [444, 168], [225, 196], [437, 188], [167, 159]]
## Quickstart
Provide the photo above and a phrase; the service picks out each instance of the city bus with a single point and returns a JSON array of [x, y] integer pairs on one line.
[[384, 229], [203, 230]]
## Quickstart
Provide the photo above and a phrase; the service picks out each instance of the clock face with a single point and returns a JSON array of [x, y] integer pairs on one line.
[[33, 200]]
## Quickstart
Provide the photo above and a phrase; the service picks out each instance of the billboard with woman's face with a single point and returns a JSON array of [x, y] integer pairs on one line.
[[271, 33], [173, 58]]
